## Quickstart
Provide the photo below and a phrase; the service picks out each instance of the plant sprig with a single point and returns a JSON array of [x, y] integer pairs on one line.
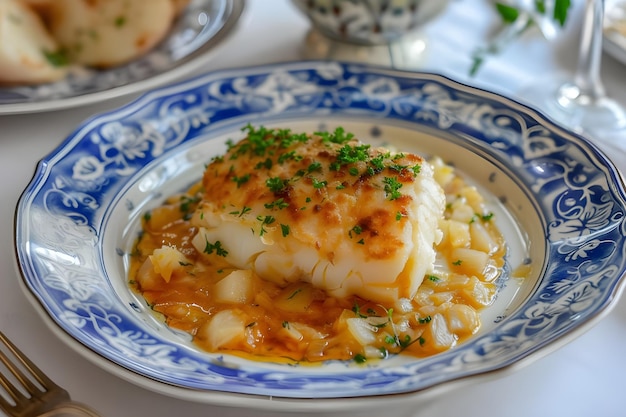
[[510, 14]]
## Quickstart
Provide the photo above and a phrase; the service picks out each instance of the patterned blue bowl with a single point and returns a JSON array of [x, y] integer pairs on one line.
[[369, 22]]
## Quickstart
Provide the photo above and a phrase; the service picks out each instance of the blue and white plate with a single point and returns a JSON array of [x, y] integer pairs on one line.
[[559, 202], [194, 38]]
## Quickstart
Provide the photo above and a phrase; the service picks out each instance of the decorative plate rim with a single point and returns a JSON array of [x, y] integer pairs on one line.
[[328, 88]]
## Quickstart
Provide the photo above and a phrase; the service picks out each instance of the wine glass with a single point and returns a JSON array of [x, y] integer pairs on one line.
[[581, 103]]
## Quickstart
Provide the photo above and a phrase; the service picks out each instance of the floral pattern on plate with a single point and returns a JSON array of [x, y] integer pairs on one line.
[[76, 221]]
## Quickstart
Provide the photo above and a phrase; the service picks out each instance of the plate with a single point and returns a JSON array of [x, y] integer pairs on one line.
[[194, 37], [615, 29], [559, 202]]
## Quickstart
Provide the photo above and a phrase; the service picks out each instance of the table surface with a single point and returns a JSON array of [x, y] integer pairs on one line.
[[579, 379]]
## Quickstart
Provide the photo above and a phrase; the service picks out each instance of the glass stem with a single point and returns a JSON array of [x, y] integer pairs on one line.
[[589, 61]]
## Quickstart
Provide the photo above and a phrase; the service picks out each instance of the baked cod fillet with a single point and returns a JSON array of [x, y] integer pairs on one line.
[[324, 208]]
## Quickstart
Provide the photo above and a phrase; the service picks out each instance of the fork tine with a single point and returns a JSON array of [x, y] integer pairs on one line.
[[27, 391], [15, 394], [45, 382]]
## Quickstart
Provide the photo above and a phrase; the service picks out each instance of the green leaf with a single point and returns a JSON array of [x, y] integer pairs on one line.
[[508, 13], [561, 7], [360, 358], [477, 62], [540, 5]]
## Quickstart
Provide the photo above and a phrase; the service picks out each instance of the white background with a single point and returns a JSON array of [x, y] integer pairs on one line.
[[585, 377]]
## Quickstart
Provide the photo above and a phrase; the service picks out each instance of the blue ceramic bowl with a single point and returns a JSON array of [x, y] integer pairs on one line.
[[369, 22]]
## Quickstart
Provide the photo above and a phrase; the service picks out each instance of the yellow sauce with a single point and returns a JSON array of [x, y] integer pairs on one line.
[[300, 323]]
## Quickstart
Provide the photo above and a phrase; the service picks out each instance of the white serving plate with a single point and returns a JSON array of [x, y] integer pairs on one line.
[[558, 200]]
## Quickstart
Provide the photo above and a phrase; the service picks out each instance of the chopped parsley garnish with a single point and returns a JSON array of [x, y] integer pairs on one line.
[[378, 162], [264, 142], [57, 58], [215, 247], [276, 184], [405, 341], [277, 204], [291, 155], [187, 203], [241, 180], [487, 217], [350, 154], [315, 166], [384, 352], [392, 185], [285, 229], [357, 230], [318, 184], [338, 136], [120, 21], [360, 358], [402, 343], [357, 311], [267, 164], [293, 294], [243, 211], [265, 221]]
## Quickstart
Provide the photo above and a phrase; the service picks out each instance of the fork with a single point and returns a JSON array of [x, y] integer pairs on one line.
[[28, 392]]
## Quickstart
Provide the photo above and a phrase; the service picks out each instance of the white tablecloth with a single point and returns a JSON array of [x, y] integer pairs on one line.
[[582, 378]]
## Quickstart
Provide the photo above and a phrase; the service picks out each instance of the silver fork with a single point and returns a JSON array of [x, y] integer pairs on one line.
[[28, 392]]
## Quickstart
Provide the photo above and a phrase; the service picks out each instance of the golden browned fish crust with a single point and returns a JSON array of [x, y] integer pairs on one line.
[[326, 208]]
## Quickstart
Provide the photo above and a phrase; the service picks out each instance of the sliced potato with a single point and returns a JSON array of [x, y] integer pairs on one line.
[[27, 52], [105, 33], [168, 260], [179, 5], [462, 319], [235, 288], [223, 328]]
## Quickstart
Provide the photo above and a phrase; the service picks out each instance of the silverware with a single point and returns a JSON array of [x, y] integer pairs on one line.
[[28, 392]]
